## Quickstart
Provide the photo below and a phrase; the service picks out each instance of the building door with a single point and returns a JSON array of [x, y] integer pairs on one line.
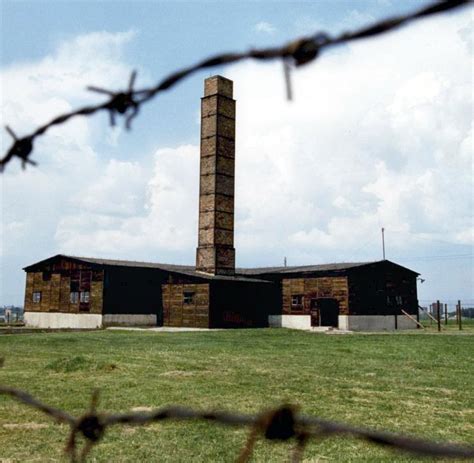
[[314, 312], [329, 312]]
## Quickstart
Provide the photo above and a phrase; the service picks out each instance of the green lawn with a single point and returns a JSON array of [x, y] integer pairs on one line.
[[418, 383]]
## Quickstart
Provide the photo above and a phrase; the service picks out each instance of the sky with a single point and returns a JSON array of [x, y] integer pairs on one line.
[[379, 134]]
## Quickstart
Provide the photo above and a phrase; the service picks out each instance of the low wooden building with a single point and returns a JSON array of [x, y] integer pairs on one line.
[[81, 292], [350, 296], [68, 291]]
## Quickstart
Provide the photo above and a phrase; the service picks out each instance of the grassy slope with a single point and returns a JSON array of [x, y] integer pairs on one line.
[[416, 383]]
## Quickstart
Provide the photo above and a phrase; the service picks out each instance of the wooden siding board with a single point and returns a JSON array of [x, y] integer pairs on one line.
[[56, 287], [314, 287], [97, 290], [189, 315]]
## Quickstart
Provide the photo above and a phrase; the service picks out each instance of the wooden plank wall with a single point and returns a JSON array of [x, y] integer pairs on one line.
[[313, 288], [56, 285], [176, 313]]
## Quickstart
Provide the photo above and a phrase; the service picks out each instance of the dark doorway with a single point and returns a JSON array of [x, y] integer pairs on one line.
[[328, 312]]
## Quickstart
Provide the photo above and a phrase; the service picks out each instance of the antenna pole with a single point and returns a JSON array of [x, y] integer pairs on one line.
[[383, 242]]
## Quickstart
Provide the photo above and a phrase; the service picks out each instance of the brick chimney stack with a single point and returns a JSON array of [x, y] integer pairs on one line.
[[215, 253]]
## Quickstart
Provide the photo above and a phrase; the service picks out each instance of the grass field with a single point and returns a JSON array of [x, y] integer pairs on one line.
[[418, 383]]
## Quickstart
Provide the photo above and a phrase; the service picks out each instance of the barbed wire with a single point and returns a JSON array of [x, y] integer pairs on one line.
[[280, 424], [294, 53]]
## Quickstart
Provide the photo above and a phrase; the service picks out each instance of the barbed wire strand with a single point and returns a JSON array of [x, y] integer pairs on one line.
[[281, 424], [294, 53]]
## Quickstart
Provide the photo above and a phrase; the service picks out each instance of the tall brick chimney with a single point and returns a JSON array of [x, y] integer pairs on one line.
[[215, 253]]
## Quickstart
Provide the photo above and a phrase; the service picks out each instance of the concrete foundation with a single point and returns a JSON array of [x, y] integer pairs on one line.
[[375, 323], [129, 320], [404, 323], [62, 320], [296, 322]]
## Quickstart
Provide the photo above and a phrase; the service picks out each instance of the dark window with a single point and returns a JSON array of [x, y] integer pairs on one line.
[[46, 276], [37, 297], [297, 301], [74, 297], [399, 300], [188, 297], [85, 296]]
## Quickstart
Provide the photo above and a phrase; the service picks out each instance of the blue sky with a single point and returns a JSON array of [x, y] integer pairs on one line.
[[379, 135]]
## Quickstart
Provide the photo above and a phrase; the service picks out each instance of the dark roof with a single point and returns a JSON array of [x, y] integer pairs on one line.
[[304, 268], [337, 267], [181, 269], [242, 274], [130, 263]]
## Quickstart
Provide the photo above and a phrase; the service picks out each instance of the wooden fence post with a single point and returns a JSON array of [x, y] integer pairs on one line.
[[438, 314], [445, 314], [460, 315]]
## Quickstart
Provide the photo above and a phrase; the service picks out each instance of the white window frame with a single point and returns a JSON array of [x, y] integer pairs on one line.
[[85, 296]]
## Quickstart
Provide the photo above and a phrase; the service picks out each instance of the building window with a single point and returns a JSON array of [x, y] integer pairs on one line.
[[188, 297], [37, 297], [74, 297], [297, 301], [399, 300], [85, 296]]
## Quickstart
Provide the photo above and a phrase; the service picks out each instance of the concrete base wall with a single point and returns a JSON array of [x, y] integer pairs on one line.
[[404, 323], [296, 322], [62, 320], [374, 322], [129, 320]]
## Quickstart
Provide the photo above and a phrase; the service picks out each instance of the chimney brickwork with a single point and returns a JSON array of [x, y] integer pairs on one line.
[[215, 253]]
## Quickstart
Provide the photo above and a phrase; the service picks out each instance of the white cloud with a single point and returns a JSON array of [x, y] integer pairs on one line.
[[129, 212], [265, 27], [353, 19]]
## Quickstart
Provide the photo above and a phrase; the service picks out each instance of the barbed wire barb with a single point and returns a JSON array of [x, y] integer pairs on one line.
[[121, 102], [21, 148], [299, 52], [301, 441]]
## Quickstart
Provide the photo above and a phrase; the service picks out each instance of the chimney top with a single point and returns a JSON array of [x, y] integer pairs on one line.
[[218, 85]]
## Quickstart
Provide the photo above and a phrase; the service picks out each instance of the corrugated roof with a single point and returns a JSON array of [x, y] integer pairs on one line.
[[242, 274], [305, 268], [131, 263], [181, 269]]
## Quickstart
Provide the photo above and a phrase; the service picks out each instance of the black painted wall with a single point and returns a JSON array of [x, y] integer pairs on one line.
[[130, 290], [382, 289], [240, 304]]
